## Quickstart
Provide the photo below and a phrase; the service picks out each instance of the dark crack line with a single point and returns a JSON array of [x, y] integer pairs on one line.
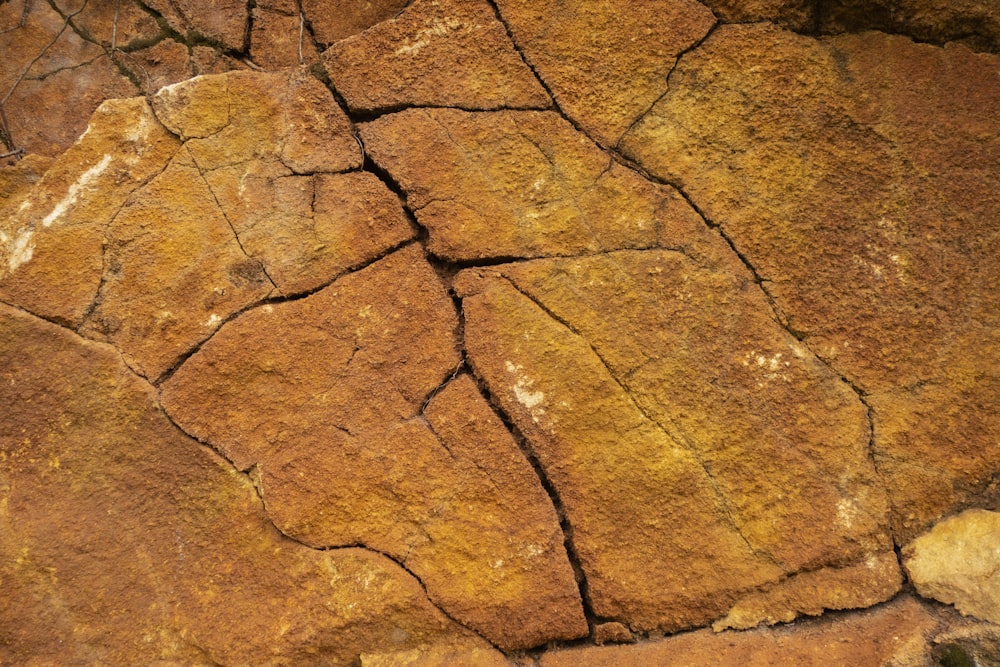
[[369, 115]]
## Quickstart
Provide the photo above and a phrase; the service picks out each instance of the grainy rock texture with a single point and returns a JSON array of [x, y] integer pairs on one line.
[[499, 332]]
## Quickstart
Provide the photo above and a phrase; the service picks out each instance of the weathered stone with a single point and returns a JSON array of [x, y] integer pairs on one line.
[[122, 541], [332, 21], [330, 392], [673, 415], [858, 175], [307, 230], [71, 68], [16, 180], [173, 272], [241, 116], [279, 38], [852, 587], [612, 633], [605, 66], [51, 241], [523, 184], [792, 14], [223, 22], [895, 634], [957, 562], [441, 655], [124, 25], [159, 65], [436, 53]]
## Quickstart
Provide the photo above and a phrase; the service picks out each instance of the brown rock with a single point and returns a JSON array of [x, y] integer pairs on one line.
[[436, 53], [334, 20], [523, 184], [51, 241], [673, 415], [159, 65], [774, 136], [126, 542], [241, 116], [174, 271], [34, 93], [331, 417], [280, 38], [605, 66], [307, 230], [957, 562], [16, 180], [221, 22], [612, 633], [122, 25], [792, 14], [894, 634], [441, 655]]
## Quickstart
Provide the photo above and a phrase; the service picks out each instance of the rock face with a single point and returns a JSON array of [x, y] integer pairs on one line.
[[957, 562], [472, 332]]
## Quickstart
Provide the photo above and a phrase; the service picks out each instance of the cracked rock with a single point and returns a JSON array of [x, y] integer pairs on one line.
[[858, 176], [123, 541], [333, 21], [436, 53], [325, 396], [222, 22], [704, 437]]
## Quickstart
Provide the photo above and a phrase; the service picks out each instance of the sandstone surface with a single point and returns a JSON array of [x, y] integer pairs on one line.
[[958, 561], [847, 171], [449, 53]]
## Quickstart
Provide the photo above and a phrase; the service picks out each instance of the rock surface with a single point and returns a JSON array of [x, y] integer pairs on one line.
[[773, 136], [958, 561], [452, 332]]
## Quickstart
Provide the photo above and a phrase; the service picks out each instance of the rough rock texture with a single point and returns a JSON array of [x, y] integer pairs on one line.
[[475, 332], [568, 44], [436, 53], [958, 562], [774, 136], [175, 543]]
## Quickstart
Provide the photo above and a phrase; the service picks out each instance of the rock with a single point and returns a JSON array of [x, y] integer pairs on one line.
[[672, 414], [957, 561], [852, 587], [353, 447], [773, 135], [441, 655], [71, 68], [174, 271], [16, 180], [435, 53], [242, 116], [333, 21], [51, 241], [898, 633], [797, 15], [279, 38], [307, 230], [222, 23], [126, 542], [612, 633], [523, 184], [569, 44]]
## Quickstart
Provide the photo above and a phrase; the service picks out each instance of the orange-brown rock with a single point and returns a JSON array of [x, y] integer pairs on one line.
[[123, 541], [279, 37], [51, 241], [791, 14], [34, 93], [435, 53], [899, 633], [17, 179], [858, 176], [957, 562], [523, 184], [307, 230], [221, 22], [605, 66], [339, 19], [325, 395], [672, 414]]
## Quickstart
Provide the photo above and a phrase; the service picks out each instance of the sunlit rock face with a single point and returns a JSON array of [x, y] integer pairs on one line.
[[472, 332]]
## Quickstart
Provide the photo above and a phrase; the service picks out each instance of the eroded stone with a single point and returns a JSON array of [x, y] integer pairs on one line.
[[858, 176], [332, 21], [958, 562], [605, 66], [223, 22], [523, 184], [436, 53], [325, 396], [122, 541], [703, 436]]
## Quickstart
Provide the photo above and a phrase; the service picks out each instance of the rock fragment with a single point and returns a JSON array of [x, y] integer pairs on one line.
[[333, 21], [122, 541], [570, 46], [858, 175], [958, 562], [222, 23], [435, 53]]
